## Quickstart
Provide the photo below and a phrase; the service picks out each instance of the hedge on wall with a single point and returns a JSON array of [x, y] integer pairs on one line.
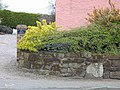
[[12, 19], [93, 38]]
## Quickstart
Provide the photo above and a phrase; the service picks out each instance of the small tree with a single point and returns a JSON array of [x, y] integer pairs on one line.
[[2, 6], [52, 7], [105, 16]]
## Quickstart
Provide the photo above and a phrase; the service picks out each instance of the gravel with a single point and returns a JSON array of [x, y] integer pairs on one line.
[[7, 54], [8, 60]]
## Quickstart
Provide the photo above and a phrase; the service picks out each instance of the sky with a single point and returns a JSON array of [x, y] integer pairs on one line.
[[29, 6]]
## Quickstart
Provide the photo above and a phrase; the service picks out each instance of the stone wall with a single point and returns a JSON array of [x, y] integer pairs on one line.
[[71, 64]]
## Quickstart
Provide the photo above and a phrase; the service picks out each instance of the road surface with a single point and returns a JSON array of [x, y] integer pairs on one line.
[[13, 78]]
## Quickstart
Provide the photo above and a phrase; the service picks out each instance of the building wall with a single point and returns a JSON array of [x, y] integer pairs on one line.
[[72, 13]]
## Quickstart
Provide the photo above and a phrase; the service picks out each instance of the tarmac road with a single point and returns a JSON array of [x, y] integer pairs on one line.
[[13, 78], [46, 84]]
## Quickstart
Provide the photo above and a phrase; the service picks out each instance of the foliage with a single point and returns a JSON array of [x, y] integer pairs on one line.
[[102, 36], [109, 20], [105, 16], [34, 35], [54, 47], [12, 19], [6, 29], [94, 39], [57, 45]]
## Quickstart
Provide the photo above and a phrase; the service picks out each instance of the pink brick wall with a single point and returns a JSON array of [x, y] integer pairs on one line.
[[72, 13]]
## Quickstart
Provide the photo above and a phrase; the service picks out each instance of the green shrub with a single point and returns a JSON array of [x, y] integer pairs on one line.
[[6, 29], [94, 39], [107, 19], [58, 45], [54, 47]]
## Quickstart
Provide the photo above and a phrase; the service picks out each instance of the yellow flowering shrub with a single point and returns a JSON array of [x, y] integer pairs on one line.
[[34, 34]]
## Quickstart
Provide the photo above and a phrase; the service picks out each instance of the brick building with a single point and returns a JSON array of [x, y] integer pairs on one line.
[[72, 13]]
